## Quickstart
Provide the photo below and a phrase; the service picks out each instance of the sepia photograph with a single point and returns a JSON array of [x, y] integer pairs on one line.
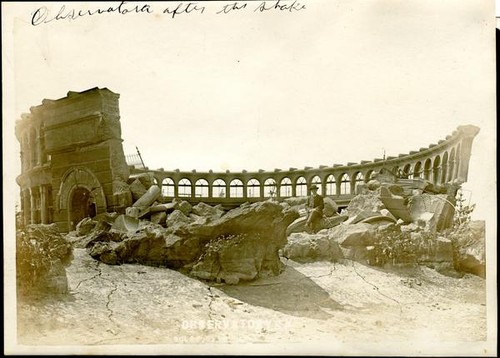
[[285, 177]]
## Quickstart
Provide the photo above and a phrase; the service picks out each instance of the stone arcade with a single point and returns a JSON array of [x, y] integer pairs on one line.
[[73, 166]]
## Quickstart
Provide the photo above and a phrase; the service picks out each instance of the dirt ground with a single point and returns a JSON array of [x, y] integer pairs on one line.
[[340, 304]]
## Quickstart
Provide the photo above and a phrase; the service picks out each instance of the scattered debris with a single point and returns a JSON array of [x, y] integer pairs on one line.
[[241, 244]]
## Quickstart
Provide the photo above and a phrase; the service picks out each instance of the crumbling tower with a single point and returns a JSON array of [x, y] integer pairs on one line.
[[72, 158]]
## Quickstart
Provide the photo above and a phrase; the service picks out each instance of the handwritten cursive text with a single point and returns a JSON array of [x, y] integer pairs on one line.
[[42, 15], [280, 5]]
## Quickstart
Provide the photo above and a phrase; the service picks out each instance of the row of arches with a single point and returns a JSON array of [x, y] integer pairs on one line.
[[253, 188], [439, 170]]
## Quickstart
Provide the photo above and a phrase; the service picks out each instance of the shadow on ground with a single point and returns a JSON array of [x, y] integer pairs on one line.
[[291, 293]]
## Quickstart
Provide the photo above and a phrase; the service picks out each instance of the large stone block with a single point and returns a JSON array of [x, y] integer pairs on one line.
[[307, 247], [137, 189], [434, 211], [330, 208], [360, 234]]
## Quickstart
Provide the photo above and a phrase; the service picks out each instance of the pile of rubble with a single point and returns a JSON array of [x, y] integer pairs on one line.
[[41, 257], [393, 222], [202, 240]]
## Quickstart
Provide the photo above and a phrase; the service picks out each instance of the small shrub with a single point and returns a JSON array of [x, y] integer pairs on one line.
[[41, 254]]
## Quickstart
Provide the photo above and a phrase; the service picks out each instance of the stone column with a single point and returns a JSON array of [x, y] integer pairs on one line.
[[27, 207], [43, 204], [468, 133], [451, 170], [32, 205], [435, 174]]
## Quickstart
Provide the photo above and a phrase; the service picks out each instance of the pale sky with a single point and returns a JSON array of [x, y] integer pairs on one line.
[[341, 81]]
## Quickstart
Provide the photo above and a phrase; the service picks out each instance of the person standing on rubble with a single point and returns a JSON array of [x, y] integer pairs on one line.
[[314, 207]]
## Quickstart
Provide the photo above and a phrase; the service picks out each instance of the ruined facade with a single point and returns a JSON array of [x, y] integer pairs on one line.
[[73, 166], [72, 159]]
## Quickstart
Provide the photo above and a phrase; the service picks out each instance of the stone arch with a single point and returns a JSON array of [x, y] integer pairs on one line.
[[80, 181], [417, 170], [317, 181], [436, 169], [331, 186], [270, 188], [427, 169], [368, 175], [80, 177], [168, 187], [356, 179], [301, 186], [201, 188], [236, 188], [407, 174], [344, 184], [285, 187], [184, 187], [253, 188], [219, 188]]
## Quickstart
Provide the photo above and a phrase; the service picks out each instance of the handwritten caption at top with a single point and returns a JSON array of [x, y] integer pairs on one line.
[[44, 15]]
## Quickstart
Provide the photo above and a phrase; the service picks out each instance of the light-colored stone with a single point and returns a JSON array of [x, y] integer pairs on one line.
[[125, 223], [148, 198], [133, 212], [438, 205], [159, 217], [202, 209], [352, 235], [330, 208], [307, 247], [137, 190], [369, 202], [177, 218], [85, 226]]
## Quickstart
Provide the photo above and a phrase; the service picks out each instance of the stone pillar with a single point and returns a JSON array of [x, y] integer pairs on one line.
[[43, 204], [435, 174], [39, 150], [451, 169], [32, 205], [27, 207], [467, 133]]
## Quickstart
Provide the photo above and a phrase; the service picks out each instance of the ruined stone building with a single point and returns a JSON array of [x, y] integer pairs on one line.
[[72, 158], [73, 166]]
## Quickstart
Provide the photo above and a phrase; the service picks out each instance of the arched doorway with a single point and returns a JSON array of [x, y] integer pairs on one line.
[[82, 205]]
